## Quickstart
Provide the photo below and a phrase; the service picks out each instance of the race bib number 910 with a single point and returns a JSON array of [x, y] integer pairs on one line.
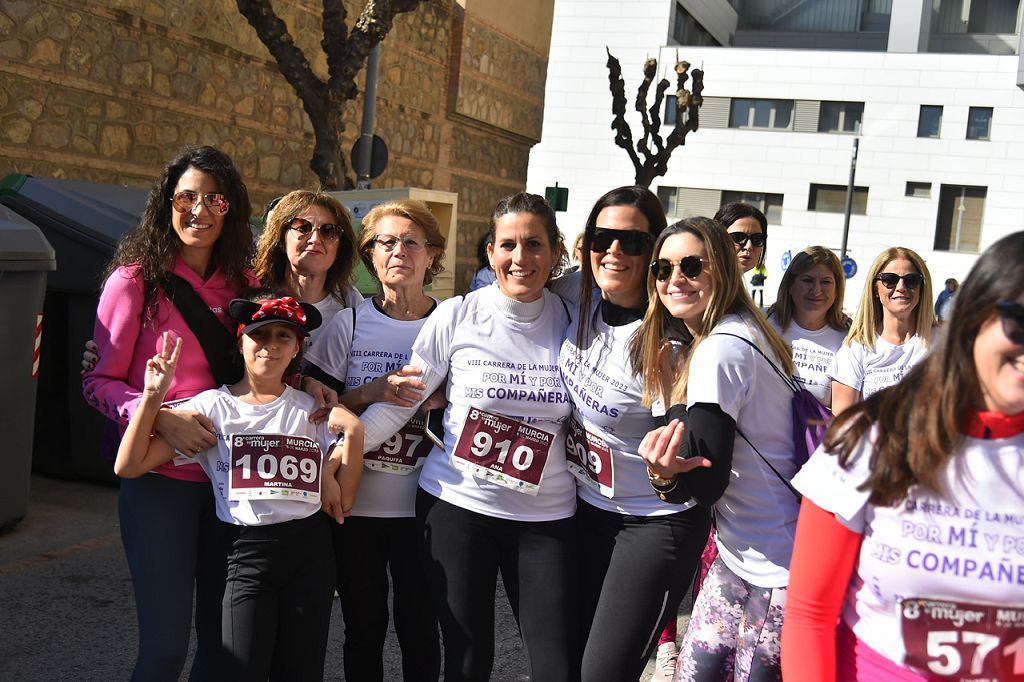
[[273, 466], [503, 451], [963, 641]]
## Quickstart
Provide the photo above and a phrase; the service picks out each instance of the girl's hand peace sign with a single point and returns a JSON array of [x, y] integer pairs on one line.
[[161, 367]]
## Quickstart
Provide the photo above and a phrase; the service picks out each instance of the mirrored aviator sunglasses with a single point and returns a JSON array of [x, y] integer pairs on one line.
[[690, 266], [632, 242], [186, 200], [889, 280], [1011, 314]]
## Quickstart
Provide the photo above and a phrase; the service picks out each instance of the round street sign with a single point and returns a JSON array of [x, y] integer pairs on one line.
[[849, 267]]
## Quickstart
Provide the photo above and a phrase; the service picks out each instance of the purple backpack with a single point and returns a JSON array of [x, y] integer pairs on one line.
[[810, 417]]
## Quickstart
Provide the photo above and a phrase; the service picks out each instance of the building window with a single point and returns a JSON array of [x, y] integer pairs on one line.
[[979, 16], [832, 199], [929, 121], [669, 118], [769, 204], [979, 123], [919, 190], [688, 31], [840, 117], [761, 113], [958, 227]]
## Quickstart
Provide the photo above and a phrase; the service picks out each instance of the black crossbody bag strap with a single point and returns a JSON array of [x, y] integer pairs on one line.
[[215, 340], [789, 382]]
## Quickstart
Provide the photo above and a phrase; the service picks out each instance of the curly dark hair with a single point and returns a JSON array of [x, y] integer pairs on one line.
[[153, 244]]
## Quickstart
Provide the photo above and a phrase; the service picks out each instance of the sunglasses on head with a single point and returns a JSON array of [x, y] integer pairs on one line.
[[889, 280], [632, 242], [757, 239], [329, 232], [1011, 314], [186, 200], [689, 266]]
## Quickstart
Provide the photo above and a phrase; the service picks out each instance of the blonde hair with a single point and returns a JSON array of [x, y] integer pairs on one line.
[[271, 261], [728, 296], [867, 323], [782, 309], [420, 215]]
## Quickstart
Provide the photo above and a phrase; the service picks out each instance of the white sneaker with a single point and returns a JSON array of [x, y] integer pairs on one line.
[[665, 662]]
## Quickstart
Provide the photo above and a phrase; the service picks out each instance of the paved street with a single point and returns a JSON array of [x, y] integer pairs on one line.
[[66, 599]]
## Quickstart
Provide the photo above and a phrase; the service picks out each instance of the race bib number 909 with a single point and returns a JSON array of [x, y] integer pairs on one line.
[[589, 459], [272, 466], [963, 641], [503, 451]]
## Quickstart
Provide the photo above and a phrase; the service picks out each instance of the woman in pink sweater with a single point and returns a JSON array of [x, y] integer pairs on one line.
[[195, 227]]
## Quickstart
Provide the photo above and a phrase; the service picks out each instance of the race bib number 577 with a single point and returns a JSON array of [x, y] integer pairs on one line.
[[272, 466], [503, 451]]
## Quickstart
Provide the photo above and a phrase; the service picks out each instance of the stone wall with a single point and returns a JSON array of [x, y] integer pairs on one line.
[[109, 91]]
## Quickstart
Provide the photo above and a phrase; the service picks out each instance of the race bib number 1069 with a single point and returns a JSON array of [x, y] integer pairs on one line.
[[272, 466]]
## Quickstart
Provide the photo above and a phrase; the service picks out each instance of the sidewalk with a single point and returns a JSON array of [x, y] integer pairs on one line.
[[68, 611]]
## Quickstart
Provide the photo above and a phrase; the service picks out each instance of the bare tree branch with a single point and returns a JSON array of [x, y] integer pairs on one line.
[[655, 163], [347, 51]]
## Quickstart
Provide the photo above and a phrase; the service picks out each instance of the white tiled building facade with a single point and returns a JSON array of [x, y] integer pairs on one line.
[[933, 86]]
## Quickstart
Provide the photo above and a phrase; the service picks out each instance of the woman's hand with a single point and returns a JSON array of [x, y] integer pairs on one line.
[[436, 400], [330, 498], [186, 431], [325, 396], [90, 356], [660, 450], [400, 387]]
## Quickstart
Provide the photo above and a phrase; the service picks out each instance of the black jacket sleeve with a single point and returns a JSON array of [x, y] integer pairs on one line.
[[710, 433]]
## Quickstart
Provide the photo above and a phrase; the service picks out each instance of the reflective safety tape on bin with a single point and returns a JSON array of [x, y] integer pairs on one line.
[[35, 352]]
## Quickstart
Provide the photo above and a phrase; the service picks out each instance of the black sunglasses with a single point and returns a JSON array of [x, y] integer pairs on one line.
[[1011, 314], [889, 280], [632, 242], [329, 232], [690, 266], [757, 240]]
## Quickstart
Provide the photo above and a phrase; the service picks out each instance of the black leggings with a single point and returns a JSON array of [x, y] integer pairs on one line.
[[635, 572], [366, 548], [277, 600], [464, 551]]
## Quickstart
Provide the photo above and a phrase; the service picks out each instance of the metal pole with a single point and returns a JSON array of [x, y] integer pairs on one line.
[[365, 156], [849, 197]]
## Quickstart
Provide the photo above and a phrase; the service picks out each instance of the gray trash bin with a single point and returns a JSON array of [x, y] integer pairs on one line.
[[25, 258]]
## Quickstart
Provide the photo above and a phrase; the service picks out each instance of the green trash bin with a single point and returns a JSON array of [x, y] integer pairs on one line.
[[25, 258]]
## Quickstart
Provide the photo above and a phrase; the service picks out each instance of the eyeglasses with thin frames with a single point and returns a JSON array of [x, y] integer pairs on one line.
[[389, 243]]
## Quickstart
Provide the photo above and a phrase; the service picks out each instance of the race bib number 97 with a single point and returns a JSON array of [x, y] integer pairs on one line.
[[274, 466], [403, 453], [503, 451], [963, 641]]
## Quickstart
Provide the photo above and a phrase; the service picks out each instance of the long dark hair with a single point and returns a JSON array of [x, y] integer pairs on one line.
[[153, 244], [643, 200], [917, 421]]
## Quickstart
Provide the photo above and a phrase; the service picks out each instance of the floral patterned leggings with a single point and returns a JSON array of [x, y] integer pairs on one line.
[[734, 631]]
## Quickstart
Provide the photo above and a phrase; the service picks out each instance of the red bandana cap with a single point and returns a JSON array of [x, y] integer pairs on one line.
[[252, 315]]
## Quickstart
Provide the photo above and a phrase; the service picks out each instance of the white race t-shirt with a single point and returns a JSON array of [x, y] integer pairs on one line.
[[380, 344], [813, 353], [607, 404], [329, 307], [964, 546], [280, 428], [501, 357], [756, 516], [869, 371]]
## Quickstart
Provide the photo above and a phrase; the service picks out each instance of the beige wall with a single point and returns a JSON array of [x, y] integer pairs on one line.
[[108, 91]]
